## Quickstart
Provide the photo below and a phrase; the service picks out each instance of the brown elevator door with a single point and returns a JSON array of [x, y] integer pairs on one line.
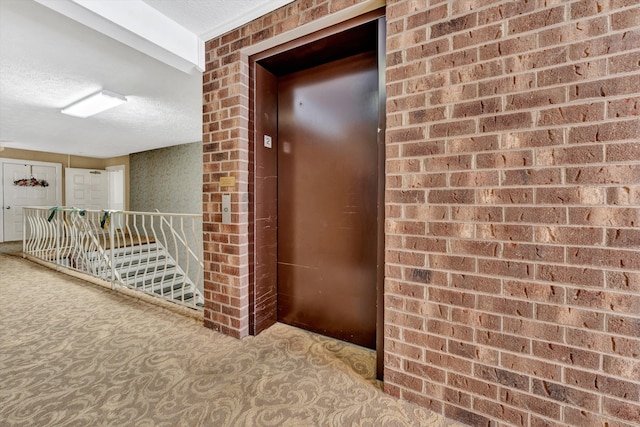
[[327, 196]]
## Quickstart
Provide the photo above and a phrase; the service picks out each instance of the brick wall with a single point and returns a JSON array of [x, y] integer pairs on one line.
[[225, 137], [513, 204], [513, 210]]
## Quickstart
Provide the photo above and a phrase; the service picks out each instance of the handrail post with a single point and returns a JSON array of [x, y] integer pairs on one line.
[[111, 251], [57, 239], [24, 235]]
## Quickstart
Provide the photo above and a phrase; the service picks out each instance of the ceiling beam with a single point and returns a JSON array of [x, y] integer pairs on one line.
[[139, 26]]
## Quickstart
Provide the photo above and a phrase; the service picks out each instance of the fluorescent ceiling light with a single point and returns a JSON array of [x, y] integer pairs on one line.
[[94, 104]]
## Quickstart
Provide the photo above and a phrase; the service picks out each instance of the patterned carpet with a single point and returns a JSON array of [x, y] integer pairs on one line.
[[75, 354]]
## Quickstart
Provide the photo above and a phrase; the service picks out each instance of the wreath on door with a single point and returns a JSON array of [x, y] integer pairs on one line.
[[31, 182]]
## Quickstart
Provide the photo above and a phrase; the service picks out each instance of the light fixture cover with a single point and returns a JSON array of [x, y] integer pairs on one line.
[[94, 104]]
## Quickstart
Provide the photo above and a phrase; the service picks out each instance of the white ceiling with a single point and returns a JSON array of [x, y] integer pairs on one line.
[[48, 61]]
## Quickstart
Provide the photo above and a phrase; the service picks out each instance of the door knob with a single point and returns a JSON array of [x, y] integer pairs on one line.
[[8, 207]]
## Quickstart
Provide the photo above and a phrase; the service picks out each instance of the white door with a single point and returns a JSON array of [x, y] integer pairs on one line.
[[86, 188], [16, 196], [116, 193]]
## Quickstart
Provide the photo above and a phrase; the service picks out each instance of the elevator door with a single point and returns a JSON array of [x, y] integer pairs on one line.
[[327, 199]]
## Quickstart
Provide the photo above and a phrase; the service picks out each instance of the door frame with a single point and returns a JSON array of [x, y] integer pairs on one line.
[[262, 119], [4, 161]]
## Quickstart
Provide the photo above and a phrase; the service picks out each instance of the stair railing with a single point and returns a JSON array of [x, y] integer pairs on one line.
[[148, 252]]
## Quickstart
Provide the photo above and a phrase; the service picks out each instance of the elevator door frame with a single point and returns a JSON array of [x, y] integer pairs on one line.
[[263, 184]]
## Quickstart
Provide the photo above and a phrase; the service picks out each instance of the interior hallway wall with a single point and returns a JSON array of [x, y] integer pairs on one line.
[[168, 179], [512, 289], [70, 161]]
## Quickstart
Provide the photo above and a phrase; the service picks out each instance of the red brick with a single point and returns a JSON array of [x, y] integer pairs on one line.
[[476, 108], [570, 316], [476, 213], [625, 410], [453, 60], [605, 216], [603, 300], [403, 135], [606, 45], [528, 402], [538, 253], [505, 159], [498, 410], [466, 417], [405, 196], [626, 107], [424, 371], [511, 343], [506, 47], [540, 176], [424, 17], [622, 152], [448, 229], [629, 369], [536, 98], [570, 196], [473, 144], [505, 11], [426, 50], [534, 291], [536, 138], [457, 128], [506, 196], [563, 274], [469, 247], [546, 215], [474, 179], [571, 114], [403, 380], [624, 325], [531, 367], [456, 196], [565, 355], [603, 257], [577, 417], [477, 36], [505, 122], [478, 319], [426, 115], [597, 382], [573, 32], [502, 85], [454, 25], [447, 163], [506, 306], [572, 73], [452, 94], [625, 19], [564, 394], [534, 21], [625, 347], [474, 72], [623, 238], [425, 212], [430, 180], [622, 85], [462, 382], [455, 263], [506, 232]]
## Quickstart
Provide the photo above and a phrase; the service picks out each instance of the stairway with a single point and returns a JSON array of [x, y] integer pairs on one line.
[[144, 265]]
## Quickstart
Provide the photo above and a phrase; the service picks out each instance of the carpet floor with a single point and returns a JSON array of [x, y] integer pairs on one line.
[[75, 354]]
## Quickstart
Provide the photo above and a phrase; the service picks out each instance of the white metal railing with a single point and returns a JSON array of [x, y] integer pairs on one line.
[[152, 252]]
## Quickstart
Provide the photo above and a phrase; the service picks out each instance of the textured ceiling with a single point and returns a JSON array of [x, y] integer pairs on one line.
[[47, 61]]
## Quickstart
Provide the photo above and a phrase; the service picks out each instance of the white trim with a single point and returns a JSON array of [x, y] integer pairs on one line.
[[246, 17], [315, 26], [3, 161], [139, 26]]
